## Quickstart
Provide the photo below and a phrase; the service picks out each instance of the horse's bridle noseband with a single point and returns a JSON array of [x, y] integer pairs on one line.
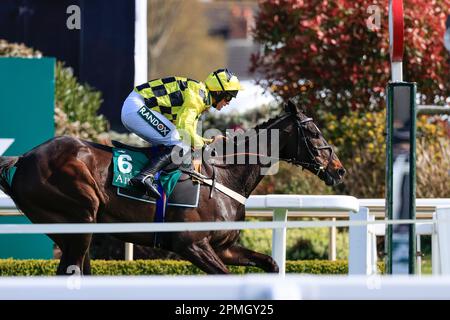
[[316, 166]]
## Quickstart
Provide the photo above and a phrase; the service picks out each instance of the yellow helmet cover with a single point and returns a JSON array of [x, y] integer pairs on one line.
[[223, 80]]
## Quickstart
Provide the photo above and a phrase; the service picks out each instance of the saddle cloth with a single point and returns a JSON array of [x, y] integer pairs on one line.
[[128, 161], [185, 194]]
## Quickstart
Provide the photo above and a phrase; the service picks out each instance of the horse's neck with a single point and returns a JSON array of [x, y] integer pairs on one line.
[[248, 176]]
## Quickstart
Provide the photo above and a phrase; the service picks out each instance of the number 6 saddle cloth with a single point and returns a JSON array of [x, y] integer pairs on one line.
[[180, 190]]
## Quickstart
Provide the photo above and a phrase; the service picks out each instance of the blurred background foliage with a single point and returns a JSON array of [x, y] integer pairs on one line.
[[76, 107], [345, 64], [323, 55]]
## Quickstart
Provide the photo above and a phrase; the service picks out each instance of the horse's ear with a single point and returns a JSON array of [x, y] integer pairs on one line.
[[290, 107]]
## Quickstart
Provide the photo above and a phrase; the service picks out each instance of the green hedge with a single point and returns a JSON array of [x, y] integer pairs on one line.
[[11, 267]]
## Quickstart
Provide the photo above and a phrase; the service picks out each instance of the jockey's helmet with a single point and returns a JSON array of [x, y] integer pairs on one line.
[[223, 84]]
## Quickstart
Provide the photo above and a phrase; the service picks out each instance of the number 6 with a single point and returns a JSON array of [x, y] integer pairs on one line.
[[124, 163]]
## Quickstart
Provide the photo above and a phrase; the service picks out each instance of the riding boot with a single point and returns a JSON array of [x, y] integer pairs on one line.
[[146, 178]]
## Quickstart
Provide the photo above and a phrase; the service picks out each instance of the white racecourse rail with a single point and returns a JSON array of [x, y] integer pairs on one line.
[[363, 252], [225, 287]]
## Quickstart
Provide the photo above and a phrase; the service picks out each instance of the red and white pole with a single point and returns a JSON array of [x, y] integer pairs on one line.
[[396, 39]]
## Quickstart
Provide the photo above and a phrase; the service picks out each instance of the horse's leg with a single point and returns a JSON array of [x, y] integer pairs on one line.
[[87, 264], [61, 271], [75, 255], [240, 256], [201, 254], [70, 195]]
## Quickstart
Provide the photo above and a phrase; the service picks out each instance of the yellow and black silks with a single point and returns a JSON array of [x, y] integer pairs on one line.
[[181, 100]]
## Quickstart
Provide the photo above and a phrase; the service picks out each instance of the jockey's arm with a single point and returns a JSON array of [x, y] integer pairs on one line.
[[187, 123], [187, 120], [207, 141]]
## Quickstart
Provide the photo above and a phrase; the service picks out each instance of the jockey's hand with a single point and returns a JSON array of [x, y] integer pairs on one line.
[[197, 163], [219, 137]]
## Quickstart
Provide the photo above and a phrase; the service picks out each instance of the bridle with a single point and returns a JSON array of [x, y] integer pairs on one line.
[[300, 125], [312, 149]]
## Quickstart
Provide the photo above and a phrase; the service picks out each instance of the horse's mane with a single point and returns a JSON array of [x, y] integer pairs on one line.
[[267, 123], [263, 125]]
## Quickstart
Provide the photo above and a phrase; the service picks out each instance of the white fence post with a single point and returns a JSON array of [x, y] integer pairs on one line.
[[361, 244], [279, 240], [129, 251], [332, 242], [419, 254], [443, 237], [435, 261]]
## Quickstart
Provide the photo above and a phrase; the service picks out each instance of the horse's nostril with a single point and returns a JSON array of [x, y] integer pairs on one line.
[[341, 172]]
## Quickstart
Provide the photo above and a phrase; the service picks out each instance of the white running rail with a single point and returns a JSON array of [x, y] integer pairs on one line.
[[363, 251], [229, 287]]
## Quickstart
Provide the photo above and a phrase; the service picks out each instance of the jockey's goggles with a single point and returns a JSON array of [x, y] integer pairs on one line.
[[225, 95]]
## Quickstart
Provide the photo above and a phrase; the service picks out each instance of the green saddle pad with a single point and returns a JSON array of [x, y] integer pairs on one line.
[[128, 163]]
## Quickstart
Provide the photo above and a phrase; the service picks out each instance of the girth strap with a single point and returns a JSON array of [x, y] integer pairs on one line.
[[216, 185], [213, 186]]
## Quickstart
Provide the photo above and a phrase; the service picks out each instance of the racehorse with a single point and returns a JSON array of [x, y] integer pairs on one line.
[[68, 180]]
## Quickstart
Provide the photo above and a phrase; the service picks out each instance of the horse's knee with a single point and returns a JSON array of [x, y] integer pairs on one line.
[[188, 249]]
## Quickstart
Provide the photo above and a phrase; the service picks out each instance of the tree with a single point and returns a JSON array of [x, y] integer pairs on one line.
[[323, 53], [179, 43]]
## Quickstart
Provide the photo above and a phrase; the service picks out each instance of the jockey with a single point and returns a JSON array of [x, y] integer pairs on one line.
[[165, 112]]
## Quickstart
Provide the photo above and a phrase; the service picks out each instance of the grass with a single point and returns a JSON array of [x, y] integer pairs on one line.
[[426, 265]]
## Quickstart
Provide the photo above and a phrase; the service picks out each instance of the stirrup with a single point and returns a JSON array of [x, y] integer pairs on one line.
[[151, 187], [138, 182]]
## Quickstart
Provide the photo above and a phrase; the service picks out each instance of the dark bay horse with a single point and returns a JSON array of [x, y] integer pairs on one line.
[[68, 180]]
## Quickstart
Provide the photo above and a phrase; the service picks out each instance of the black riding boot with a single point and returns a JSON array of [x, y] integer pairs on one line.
[[146, 178]]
